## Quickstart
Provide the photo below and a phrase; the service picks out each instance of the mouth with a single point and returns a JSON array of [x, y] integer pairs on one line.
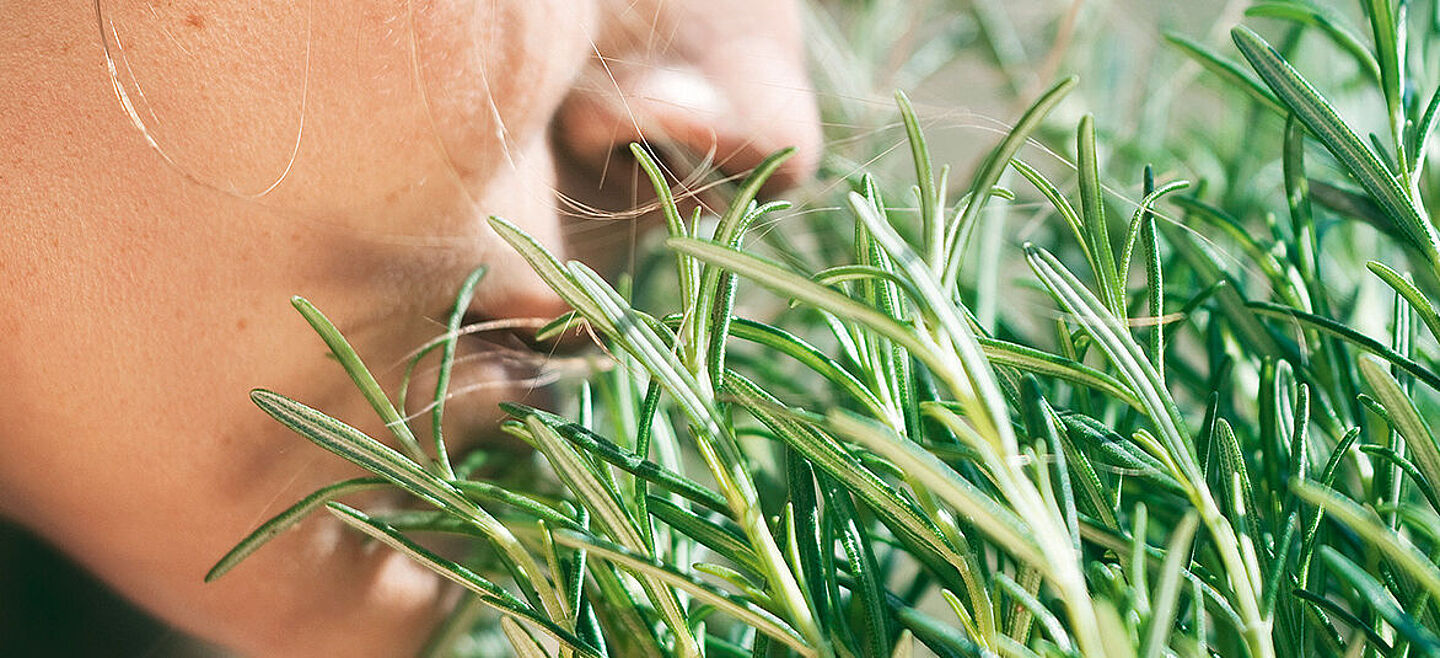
[[498, 353], [522, 335], [496, 359]]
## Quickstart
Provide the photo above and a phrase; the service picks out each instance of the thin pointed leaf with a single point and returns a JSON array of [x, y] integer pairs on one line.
[[447, 364], [376, 457], [725, 542], [1333, 328], [1328, 22], [755, 616], [292, 515], [901, 515], [1167, 589], [785, 282], [1047, 619], [552, 272], [1144, 212], [1062, 206], [1000, 524], [1092, 215], [685, 269], [715, 288], [488, 592], [355, 368], [869, 590], [809, 355], [580, 477], [1400, 551], [598, 446], [1124, 353], [1117, 343], [1228, 71], [357, 447], [1039, 362], [1329, 607], [520, 639], [1389, 455], [931, 220], [989, 173], [1417, 300], [1405, 419], [1382, 601], [1425, 130], [968, 373], [1322, 120]]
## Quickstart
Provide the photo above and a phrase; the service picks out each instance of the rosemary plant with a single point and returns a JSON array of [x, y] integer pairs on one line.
[[1201, 444]]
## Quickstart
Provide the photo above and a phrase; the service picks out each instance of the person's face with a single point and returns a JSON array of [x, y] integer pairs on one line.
[[174, 170]]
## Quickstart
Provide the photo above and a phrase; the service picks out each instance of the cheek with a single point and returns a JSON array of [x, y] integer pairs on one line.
[[187, 72], [361, 111], [492, 73], [433, 99]]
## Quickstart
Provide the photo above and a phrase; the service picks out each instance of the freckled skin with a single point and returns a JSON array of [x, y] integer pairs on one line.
[[145, 270]]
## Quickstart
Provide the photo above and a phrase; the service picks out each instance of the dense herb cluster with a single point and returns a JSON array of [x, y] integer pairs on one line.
[[1198, 455]]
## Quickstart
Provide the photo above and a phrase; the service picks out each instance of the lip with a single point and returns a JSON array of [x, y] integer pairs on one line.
[[496, 360], [519, 333]]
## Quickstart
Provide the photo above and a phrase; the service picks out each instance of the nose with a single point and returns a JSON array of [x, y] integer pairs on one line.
[[717, 82]]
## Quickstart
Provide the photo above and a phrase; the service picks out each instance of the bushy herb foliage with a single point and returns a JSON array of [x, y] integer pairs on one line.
[[1213, 439]]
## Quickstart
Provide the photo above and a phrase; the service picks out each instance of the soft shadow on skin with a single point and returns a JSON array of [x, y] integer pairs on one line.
[[49, 606]]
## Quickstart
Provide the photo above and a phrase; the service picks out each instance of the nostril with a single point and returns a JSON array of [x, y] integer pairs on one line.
[[729, 137], [709, 116]]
